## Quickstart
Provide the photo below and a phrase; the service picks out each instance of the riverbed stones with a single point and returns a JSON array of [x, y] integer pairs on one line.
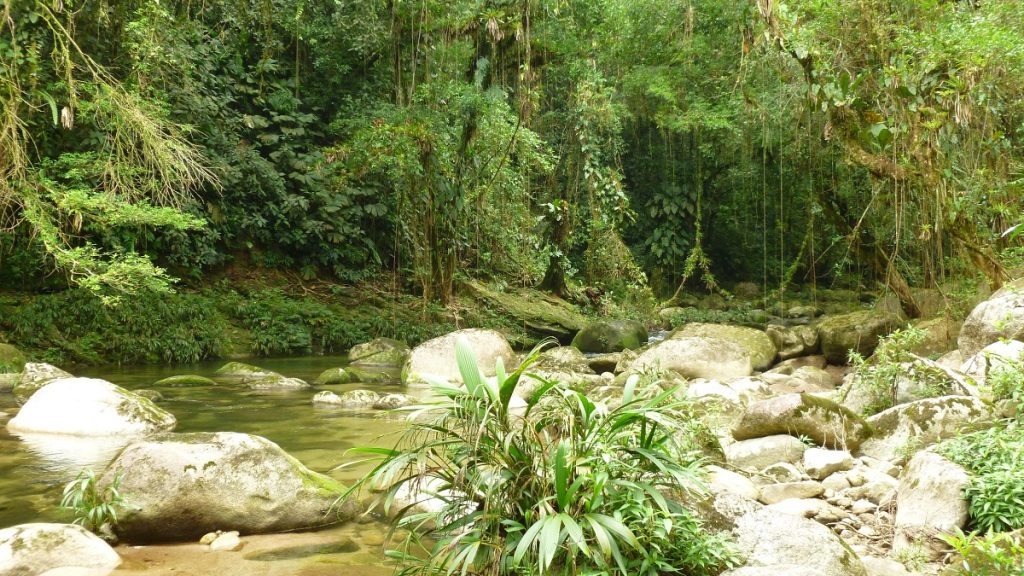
[[819, 462], [332, 376], [916, 425], [434, 360], [755, 342], [357, 399], [999, 317], [385, 352], [774, 493], [721, 480], [759, 453], [34, 376], [89, 407], [610, 336], [930, 502], [823, 421], [394, 401], [774, 543], [181, 486], [185, 381], [32, 549], [856, 331], [696, 357]]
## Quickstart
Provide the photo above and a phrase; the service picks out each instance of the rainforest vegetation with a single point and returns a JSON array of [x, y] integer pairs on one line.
[[607, 151]]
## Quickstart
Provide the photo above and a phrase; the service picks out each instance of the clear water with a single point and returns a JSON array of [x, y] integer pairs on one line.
[[34, 470]]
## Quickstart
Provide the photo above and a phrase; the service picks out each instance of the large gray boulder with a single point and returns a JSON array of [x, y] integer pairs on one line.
[[930, 502], [34, 376], [696, 357], [903, 429], [999, 317], [379, 352], [435, 359], [856, 331], [610, 336], [821, 420], [33, 549], [181, 486], [777, 543], [89, 407], [757, 344]]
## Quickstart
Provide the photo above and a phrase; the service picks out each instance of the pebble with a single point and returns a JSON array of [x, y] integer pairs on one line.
[[209, 537], [226, 542]]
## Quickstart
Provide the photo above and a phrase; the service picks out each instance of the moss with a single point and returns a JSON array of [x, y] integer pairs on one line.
[[542, 315], [186, 380], [333, 376]]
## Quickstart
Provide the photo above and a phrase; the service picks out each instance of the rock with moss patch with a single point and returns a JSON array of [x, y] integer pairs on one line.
[[185, 381], [999, 317], [181, 486], [757, 344], [793, 342], [333, 376], [902, 430], [541, 315], [857, 331], [696, 357], [152, 395], [259, 379], [11, 359], [998, 356], [610, 336], [379, 352], [394, 401], [31, 549], [350, 399], [34, 376], [89, 407], [929, 503], [823, 421], [759, 453], [375, 375], [788, 544], [435, 359], [241, 371]]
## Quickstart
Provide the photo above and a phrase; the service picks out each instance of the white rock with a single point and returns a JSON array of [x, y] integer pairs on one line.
[[722, 480], [930, 501], [696, 357], [784, 544], [435, 359], [226, 542], [773, 493], [31, 549], [819, 462], [759, 453]]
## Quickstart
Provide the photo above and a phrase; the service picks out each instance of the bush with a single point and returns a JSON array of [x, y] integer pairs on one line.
[[988, 555], [881, 374], [996, 458], [93, 508], [557, 483]]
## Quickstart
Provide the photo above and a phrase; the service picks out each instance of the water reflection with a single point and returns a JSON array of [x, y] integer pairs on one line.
[[65, 456]]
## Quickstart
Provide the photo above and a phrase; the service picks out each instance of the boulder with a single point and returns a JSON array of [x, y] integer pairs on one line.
[[698, 357], [755, 342], [32, 549], [722, 480], [394, 401], [565, 364], [999, 317], [379, 352], [34, 376], [903, 429], [788, 544], [610, 336], [823, 421], [819, 463], [541, 315], [856, 331], [996, 356], [350, 399], [259, 379], [181, 486], [759, 453], [940, 336], [929, 502], [782, 473], [435, 359], [793, 342], [185, 381], [372, 374], [775, 493], [912, 381], [89, 407], [11, 359], [332, 376]]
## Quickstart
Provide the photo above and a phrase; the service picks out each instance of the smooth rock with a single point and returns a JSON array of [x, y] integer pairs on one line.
[[698, 357], [226, 542], [350, 399], [823, 421], [379, 352], [435, 359], [34, 376], [181, 486], [89, 407], [32, 549], [791, 545], [332, 376], [856, 331], [930, 501], [773, 493], [722, 480], [759, 453], [755, 342], [819, 463], [884, 567], [999, 317], [185, 381], [610, 336], [394, 401]]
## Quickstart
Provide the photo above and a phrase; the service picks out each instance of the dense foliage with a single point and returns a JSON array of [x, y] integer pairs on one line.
[[616, 144]]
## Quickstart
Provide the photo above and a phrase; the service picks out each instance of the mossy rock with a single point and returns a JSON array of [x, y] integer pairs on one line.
[[11, 359], [379, 352], [333, 376], [369, 376], [541, 314], [857, 331], [756, 342], [239, 370], [33, 377], [822, 420], [610, 336], [185, 381]]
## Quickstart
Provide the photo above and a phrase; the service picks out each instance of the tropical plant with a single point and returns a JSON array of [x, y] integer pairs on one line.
[[880, 375], [996, 554], [995, 457], [92, 506], [554, 482]]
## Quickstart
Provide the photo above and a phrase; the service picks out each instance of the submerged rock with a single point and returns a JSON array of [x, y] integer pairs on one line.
[[823, 421], [757, 344], [610, 336], [435, 359], [333, 376], [999, 317], [31, 549], [856, 331], [379, 352], [185, 381], [181, 486], [696, 357], [35, 376], [89, 407]]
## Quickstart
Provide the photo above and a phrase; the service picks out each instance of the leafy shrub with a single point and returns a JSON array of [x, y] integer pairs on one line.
[[988, 555], [92, 507], [1005, 382], [559, 484], [996, 458], [881, 374]]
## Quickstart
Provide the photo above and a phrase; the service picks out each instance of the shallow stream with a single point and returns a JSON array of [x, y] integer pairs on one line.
[[33, 472]]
